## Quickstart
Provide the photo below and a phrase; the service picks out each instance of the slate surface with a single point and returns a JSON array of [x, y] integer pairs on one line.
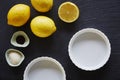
[[100, 14]]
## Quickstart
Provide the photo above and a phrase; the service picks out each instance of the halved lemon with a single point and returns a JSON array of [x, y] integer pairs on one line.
[[68, 12]]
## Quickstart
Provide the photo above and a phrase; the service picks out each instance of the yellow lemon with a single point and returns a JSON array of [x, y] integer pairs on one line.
[[42, 26], [68, 12], [42, 5], [18, 15]]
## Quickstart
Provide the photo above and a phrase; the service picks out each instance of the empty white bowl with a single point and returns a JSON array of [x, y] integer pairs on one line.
[[44, 68], [89, 49]]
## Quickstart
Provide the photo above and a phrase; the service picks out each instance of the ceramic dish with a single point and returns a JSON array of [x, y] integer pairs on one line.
[[14, 57], [22, 34], [44, 68], [89, 49]]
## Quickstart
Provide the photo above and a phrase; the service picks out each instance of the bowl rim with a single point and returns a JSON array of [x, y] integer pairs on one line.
[[99, 33], [26, 72]]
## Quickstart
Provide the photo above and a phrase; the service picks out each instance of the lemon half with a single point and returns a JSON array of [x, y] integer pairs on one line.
[[18, 15], [42, 5], [42, 26], [68, 12]]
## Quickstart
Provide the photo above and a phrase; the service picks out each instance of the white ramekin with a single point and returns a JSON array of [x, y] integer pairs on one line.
[[44, 68], [89, 49]]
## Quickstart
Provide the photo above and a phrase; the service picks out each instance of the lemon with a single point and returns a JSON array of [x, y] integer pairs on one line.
[[42, 5], [18, 15], [68, 12], [42, 26]]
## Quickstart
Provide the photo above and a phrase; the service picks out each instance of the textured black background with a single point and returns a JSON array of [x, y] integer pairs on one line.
[[101, 14]]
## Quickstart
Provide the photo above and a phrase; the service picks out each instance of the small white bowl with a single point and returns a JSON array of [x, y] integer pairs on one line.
[[89, 49], [44, 68], [17, 34], [14, 57]]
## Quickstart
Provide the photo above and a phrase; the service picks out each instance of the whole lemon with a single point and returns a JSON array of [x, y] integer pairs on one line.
[[18, 15], [42, 26], [42, 5]]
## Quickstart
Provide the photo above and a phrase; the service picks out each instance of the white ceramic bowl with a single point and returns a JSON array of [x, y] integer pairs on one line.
[[89, 49], [44, 68], [17, 34], [14, 57]]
